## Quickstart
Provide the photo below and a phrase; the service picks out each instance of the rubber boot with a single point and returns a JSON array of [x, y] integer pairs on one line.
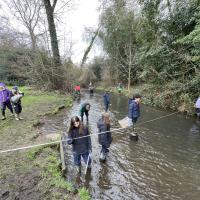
[[3, 115]]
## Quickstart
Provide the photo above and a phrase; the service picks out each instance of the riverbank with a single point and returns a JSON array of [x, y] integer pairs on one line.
[[165, 97], [35, 173]]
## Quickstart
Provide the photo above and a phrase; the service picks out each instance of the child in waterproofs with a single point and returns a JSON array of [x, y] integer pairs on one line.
[[16, 102], [81, 147], [5, 96], [105, 137]]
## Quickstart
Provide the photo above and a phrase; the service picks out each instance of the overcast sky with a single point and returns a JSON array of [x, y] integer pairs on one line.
[[84, 13]]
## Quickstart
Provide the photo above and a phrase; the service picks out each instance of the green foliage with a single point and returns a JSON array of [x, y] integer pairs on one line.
[[165, 40], [84, 194]]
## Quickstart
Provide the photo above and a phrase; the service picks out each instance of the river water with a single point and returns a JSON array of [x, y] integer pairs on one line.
[[164, 164]]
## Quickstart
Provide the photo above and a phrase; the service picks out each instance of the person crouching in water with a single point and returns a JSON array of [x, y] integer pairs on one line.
[[16, 102], [81, 147], [134, 110], [85, 108], [5, 96], [105, 139]]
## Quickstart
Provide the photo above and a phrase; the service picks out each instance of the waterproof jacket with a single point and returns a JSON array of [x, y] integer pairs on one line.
[[81, 145], [5, 94], [133, 110], [105, 139], [83, 109], [197, 104], [106, 98]]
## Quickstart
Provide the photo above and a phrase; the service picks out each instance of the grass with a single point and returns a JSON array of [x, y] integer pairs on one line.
[[40, 162], [84, 194]]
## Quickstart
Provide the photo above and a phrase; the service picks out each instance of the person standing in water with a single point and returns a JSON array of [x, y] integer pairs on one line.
[[134, 110], [197, 107], [81, 146], [106, 100], [105, 137]]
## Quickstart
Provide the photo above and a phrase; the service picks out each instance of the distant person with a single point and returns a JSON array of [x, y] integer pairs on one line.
[[5, 96], [84, 110], [91, 89], [81, 147], [105, 139], [119, 88], [197, 107], [77, 90], [16, 102], [106, 100], [134, 110]]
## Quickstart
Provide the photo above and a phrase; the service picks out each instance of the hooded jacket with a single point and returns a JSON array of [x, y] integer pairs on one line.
[[5, 94], [133, 109], [105, 139]]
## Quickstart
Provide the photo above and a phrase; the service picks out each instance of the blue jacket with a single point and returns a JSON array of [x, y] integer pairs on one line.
[[105, 139], [106, 98], [133, 110], [81, 145]]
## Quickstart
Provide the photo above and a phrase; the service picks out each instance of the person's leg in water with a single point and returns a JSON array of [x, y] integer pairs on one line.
[[77, 162], [106, 107], [134, 120], [87, 159], [82, 116], [103, 153], [87, 115], [198, 113], [3, 108]]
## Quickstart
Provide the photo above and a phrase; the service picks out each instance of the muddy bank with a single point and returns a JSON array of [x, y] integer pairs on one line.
[[35, 173]]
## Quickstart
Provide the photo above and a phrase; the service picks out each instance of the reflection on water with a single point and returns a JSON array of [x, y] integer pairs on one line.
[[163, 164]]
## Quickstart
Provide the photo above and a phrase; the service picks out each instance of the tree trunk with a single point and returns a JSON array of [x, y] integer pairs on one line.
[[52, 30], [33, 39], [129, 68]]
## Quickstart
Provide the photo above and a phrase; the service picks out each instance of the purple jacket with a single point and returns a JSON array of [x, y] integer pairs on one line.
[[5, 94]]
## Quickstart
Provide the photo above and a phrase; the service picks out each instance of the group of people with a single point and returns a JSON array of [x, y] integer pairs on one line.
[[79, 136], [77, 89], [10, 99]]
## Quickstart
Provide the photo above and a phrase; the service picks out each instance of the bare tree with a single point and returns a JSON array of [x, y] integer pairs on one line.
[[87, 51], [28, 12]]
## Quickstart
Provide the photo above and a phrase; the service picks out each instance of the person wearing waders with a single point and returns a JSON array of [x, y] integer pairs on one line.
[[81, 147], [197, 107], [5, 96], [134, 112], [105, 139], [16, 102], [106, 100], [85, 108]]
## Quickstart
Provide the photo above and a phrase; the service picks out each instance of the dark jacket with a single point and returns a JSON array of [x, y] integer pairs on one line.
[[105, 139], [106, 98], [133, 110], [81, 145]]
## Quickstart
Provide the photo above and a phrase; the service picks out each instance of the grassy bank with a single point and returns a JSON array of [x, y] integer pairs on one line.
[[166, 97], [33, 174]]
